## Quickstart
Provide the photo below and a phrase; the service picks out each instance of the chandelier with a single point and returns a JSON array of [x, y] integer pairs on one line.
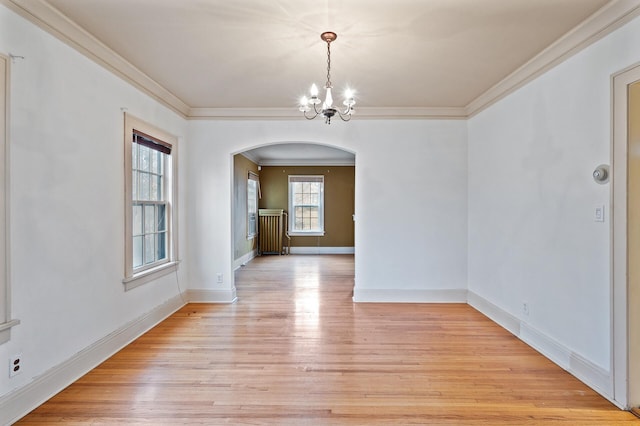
[[328, 109]]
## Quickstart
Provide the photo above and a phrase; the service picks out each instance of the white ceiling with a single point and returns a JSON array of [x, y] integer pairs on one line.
[[255, 58], [257, 54]]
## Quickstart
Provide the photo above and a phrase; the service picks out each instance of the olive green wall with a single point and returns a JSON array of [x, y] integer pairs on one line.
[[339, 195], [241, 168]]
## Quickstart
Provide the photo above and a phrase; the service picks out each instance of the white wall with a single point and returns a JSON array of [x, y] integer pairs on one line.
[[410, 233], [67, 201], [532, 234]]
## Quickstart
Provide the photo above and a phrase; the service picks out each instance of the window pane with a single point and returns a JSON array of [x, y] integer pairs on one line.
[[149, 219], [160, 188], [297, 218], [144, 187], [155, 158], [153, 189], [161, 246], [252, 196], [137, 219], [134, 185], [137, 252], [161, 210], [144, 158], [134, 155], [149, 248], [252, 224]]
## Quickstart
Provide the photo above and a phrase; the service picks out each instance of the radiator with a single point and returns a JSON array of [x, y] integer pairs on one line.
[[271, 230]]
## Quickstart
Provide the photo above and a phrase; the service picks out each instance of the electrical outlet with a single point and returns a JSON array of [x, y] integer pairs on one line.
[[15, 365], [220, 278], [525, 308]]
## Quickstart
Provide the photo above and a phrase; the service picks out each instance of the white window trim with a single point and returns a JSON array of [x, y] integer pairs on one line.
[[135, 279], [315, 233], [6, 323], [253, 176]]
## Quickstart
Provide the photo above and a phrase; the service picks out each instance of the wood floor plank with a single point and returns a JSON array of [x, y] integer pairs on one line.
[[295, 350]]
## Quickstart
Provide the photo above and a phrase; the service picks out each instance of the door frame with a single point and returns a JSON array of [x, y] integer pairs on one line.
[[620, 348]]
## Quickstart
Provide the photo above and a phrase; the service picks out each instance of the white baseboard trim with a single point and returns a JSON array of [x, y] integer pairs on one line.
[[592, 375], [20, 402], [322, 250], [202, 295], [409, 296], [494, 313], [243, 260], [544, 344], [584, 370]]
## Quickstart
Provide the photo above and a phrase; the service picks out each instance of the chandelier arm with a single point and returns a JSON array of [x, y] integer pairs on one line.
[[343, 115], [312, 117]]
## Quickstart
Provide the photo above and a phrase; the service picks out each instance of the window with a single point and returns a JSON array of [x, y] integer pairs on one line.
[[253, 191], [150, 244], [5, 300], [150, 206], [306, 205]]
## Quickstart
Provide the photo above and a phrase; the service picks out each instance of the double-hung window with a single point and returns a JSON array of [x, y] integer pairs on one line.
[[149, 160], [306, 205], [150, 245], [253, 189]]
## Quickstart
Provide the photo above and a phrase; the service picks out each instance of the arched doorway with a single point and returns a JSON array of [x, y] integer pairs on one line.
[[272, 166]]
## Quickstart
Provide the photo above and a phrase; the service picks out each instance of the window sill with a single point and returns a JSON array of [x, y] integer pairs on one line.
[[5, 330], [307, 234], [149, 275]]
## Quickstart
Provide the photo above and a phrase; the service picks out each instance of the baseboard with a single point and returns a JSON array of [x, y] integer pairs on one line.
[[584, 370], [592, 375], [243, 260], [322, 250], [409, 296], [546, 345], [20, 402], [202, 295], [494, 313]]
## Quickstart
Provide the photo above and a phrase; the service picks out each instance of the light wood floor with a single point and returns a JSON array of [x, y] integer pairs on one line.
[[295, 350]]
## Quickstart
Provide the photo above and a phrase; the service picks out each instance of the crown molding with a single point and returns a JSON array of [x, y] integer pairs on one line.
[[249, 156], [50, 19], [604, 21], [293, 114]]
